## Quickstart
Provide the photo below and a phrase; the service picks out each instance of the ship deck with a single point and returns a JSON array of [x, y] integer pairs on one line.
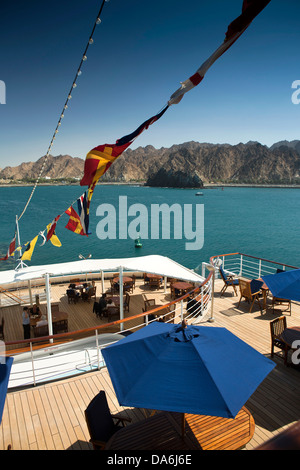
[[51, 416]]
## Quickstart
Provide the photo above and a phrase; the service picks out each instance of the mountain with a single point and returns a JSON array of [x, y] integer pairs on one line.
[[184, 165], [62, 166]]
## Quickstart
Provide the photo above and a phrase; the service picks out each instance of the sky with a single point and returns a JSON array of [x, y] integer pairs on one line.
[[141, 53]]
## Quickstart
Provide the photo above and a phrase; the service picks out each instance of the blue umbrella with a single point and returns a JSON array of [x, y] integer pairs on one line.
[[197, 369], [284, 285], [4, 378]]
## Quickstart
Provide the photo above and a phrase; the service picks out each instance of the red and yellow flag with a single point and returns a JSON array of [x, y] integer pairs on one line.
[[74, 223], [98, 161]]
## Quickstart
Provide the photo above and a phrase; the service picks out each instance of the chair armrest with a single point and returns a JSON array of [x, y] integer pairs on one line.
[[101, 444], [121, 419]]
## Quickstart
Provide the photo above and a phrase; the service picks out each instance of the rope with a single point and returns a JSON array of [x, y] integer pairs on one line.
[[78, 73]]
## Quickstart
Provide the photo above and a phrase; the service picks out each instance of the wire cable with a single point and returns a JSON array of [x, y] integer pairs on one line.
[[78, 73]]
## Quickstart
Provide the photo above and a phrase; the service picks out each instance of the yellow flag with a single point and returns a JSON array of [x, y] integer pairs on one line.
[[29, 250], [54, 238]]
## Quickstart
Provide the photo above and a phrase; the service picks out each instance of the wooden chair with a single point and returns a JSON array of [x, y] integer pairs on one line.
[[277, 300], [60, 326], [149, 304], [91, 293], [169, 314], [175, 293], [128, 287], [155, 282], [2, 329], [146, 279], [72, 296], [39, 331], [126, 302], [100, 421], [113, 313], [114, 288], [228, 281], [277, 327], [250, 290]]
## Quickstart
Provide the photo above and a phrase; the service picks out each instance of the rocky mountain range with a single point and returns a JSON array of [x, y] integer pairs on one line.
[[190, 164]]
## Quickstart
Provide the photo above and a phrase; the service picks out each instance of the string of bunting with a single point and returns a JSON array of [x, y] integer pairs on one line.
[[100, 158]]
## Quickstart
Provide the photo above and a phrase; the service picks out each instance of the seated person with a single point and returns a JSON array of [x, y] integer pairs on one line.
[[43, 321], [35, 310], [73, 292], [110, 303], [100, 307]]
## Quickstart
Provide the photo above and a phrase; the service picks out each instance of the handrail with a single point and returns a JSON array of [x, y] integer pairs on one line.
[[11, 295], [104, 326], [251, 256]]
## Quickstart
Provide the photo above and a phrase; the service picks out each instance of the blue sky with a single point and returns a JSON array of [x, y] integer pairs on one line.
[[141, 52]]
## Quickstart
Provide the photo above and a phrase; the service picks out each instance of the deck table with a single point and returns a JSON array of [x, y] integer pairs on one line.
[[163, 431]]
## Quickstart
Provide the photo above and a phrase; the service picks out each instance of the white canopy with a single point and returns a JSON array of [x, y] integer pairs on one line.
[[155, 264]]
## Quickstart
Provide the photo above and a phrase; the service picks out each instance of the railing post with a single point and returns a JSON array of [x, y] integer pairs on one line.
[[98, 352], [181, 312], [212, 293], [259, 268], [241, 266], [121, 297], [32, 361]]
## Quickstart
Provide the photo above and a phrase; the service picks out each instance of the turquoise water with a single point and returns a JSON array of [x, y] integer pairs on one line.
[[262, 222]]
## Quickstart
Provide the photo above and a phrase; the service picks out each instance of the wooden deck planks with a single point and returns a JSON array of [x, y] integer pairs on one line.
[[51, 416]]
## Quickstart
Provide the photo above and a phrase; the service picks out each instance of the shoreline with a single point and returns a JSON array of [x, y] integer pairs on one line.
[[142, 184]]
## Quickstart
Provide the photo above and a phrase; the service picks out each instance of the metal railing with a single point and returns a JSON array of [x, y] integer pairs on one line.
[[78, 357], [248, 266]]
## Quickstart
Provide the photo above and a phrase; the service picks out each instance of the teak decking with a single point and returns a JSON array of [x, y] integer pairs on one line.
[[51, 416]]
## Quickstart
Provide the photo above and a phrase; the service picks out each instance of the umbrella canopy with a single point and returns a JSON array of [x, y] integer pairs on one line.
[[285, 285], [4, 378], [197, 369]]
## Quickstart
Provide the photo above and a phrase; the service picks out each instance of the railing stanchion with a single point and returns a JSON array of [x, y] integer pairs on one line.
[[212, 294], [98, 352], [32, 361]]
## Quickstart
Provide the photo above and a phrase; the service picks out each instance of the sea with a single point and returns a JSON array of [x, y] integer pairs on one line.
[[262, 222]]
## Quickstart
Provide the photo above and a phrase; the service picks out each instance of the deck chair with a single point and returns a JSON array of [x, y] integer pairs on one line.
[[228, 281], [278, 301], [72, 296], [250, 290], [39, 331], [60, 326], [277, 326], [2, 329], [126, 302], [100, 421], [113, 313], [149, 304]]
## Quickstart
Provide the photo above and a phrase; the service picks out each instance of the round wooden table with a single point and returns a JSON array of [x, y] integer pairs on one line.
[[183, 286], [125, 279], [153, 276]]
